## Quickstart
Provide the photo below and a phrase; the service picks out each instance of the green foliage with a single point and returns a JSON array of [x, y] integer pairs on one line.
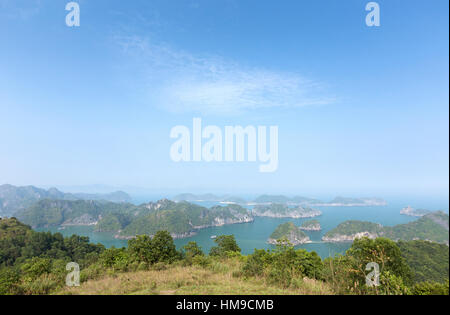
[[353, 227], [140, 248], [163, 248], [116, 258], [160, 248], [257, 263], [225, 243], [283, 265], [431, 227], [348, 273], [181, 218], [431, 288], [9, 280], [287, 229], [428, 261], [36, 267], [34, 262], [190, 251]]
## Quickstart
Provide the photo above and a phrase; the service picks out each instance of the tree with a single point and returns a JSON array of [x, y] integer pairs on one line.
[[140, 248], [191, 250], [225, 243], [163, 248]]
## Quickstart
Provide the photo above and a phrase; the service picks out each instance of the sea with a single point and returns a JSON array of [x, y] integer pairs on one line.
[[254, 235]]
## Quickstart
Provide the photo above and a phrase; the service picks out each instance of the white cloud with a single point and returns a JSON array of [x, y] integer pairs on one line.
[[182, 82]]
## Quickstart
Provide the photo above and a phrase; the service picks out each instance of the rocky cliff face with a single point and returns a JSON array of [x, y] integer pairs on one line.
[[414, 212], [348, 238], [85, 219], [311, 227], [292, 238], [283, 211]]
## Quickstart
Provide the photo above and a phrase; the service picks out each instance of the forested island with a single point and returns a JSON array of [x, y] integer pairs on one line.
[[181, 219], [288, 233], [414, 212], [284, 211], [431, 227]]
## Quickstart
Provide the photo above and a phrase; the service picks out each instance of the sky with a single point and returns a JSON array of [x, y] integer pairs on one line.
[[360, 110]]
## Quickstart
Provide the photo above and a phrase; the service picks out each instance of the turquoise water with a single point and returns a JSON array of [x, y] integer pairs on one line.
[[254, 235]]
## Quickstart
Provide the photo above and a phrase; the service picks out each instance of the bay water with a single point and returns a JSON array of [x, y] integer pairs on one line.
[[255, 234]]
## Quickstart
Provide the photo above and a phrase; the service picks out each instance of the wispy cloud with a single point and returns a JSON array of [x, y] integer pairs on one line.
[[183, 82], [20, 9]]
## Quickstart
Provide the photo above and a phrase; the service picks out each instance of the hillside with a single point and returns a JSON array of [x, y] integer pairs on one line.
[[14, 199], [191, 280], [126, 220], [283, 211], [183, 219], [288, 231], [432, 227]]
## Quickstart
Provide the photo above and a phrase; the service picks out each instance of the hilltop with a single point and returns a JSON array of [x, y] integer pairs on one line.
[[288, 232]]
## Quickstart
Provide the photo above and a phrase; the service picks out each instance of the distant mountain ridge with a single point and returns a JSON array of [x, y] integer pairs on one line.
[[282, 199], [14, 199]]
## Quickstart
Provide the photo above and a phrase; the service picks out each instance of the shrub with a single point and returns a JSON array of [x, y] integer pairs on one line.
[[225, 243], [431, 288]]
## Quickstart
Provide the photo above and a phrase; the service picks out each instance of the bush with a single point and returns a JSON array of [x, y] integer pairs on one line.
[[9, 279], [35, 267], [117, 258], [160, 248], [256, 263], [431, 288], [225, 243]]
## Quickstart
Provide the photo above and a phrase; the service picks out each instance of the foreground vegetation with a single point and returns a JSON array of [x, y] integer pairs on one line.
[[34, 263]]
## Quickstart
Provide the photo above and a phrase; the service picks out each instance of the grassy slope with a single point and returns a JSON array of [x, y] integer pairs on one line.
[[191, 280]]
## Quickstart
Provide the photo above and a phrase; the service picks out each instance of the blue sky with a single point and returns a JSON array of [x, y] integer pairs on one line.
[[360, 111]]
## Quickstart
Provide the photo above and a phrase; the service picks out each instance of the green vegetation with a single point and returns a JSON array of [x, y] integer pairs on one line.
[[180, 219], [14, 199], [432, 227], [47, 212], [226, 245], [353, 227], [34, 263], [276, 210], [429, 261], [289, 232]]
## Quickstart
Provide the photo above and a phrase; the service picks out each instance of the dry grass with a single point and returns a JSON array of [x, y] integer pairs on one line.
[[192, 280]]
